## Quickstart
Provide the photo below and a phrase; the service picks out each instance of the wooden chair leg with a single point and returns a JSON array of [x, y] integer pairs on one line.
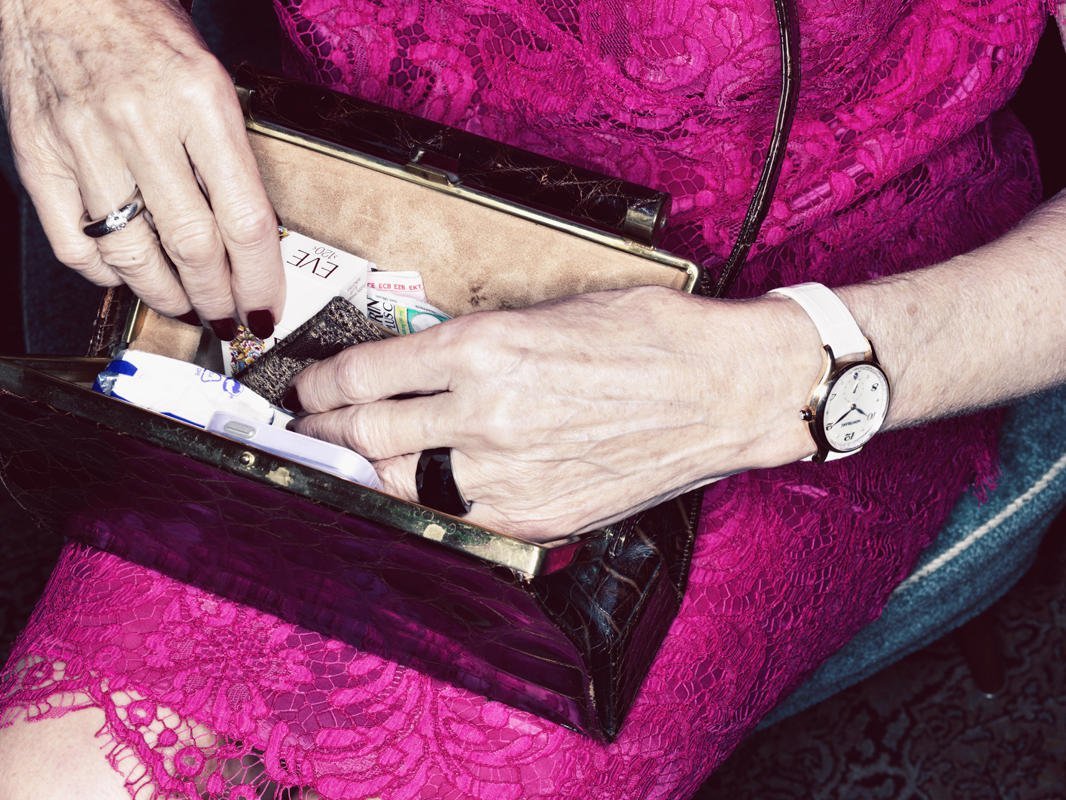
[[979, 641]]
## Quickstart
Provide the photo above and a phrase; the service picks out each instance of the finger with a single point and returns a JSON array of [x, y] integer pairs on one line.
[[387, 428], [60, 209], [185, 224], [135, 256], [398, 476], [132, 252], [412, 364], [244, 214], [398, 479], [485, 516]]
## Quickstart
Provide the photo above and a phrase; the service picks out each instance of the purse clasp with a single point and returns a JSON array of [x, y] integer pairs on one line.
[[435, 167]]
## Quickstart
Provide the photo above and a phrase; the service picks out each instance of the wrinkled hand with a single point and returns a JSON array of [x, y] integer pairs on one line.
[[569, 415], [106, 96]]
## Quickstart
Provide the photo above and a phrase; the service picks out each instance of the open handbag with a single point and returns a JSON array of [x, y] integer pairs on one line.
[[567, 630]]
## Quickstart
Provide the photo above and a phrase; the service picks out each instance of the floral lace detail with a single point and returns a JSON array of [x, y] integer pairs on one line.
[[896, 161], [680, 96]]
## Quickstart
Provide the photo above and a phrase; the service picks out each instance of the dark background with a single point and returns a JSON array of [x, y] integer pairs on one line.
[[1041, 104], [10, 308]]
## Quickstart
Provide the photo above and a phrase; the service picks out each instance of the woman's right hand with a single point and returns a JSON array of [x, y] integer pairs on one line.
[[104, 97]]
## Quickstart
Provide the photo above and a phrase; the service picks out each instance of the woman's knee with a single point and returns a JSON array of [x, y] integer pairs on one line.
[[57, 759]]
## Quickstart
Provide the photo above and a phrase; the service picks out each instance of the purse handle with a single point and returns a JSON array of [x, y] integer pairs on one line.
[[788, 37]]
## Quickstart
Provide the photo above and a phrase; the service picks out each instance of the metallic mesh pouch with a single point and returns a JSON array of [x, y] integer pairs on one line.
[[337, 326]]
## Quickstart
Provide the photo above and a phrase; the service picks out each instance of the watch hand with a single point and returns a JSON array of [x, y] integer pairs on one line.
[[845, 414]]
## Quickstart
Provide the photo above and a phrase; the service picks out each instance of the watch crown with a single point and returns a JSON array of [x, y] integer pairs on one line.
[[806, 414]]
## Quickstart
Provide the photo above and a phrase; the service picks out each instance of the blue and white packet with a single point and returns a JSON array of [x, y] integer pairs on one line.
[[182, 390]]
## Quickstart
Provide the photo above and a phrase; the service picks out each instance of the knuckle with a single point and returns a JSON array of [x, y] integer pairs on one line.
[[209, 72], [134, 270], [126, 109], [203, 81], [349, 371], [309, 426], [309, 384], [250, 225], [496, 422], [36, 157], [392, 474], [303, 383], [75, 121], [470, 344], [483, 347], [397, 477], [468, 332], [76, 255], [427, 427], [394, 470], [194, 243], [363, 432]]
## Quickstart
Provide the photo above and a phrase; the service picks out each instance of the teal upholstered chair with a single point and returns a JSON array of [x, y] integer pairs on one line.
[[981, 553]]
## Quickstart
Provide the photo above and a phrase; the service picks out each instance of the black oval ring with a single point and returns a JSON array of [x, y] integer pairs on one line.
[[436, 483]]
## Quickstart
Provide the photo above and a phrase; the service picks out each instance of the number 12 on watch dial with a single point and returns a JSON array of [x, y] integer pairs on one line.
[[855, 407]]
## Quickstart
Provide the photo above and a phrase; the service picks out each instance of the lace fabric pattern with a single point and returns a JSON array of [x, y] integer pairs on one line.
[[897, 159]]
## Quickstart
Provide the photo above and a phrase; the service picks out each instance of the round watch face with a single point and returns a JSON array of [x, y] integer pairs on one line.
[[855, 407]]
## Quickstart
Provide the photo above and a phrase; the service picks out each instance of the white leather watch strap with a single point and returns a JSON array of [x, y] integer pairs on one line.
[[833, 455], [830, 316]]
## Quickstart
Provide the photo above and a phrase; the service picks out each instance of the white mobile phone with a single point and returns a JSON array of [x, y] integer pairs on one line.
[[324, 456]]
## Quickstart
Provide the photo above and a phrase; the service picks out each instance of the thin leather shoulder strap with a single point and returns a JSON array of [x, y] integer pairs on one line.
[[788, 29]]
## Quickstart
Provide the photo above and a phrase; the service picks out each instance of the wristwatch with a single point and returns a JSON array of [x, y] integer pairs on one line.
[[849, 403]]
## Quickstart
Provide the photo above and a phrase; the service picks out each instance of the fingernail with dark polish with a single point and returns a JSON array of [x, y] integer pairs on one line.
[[290, 401], [290, 425], [225, 329], [190, 318], [261, 322]]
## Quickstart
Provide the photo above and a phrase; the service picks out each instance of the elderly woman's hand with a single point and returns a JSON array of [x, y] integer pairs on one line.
[[104, 97], [571, 414]]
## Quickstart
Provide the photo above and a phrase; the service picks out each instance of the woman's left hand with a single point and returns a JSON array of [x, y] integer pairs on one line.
[[571, 414]]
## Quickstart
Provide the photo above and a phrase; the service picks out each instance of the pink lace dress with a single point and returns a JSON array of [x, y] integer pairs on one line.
[[898, 158]]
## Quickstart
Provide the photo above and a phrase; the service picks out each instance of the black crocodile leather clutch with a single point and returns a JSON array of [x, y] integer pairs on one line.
[[449, 154], [567, 632]]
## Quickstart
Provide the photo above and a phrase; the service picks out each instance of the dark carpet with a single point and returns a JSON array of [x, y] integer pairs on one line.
[[921, 730]]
